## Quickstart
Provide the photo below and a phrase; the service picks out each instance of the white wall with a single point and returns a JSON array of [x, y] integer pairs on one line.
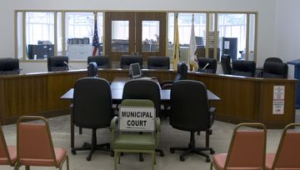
[[265, 9], [287, 31]]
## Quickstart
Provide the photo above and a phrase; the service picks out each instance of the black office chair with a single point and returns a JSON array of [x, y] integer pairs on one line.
[[102, 61], [9, 66], [243, 68], [126, 60], [207, 65], [182, 70], [158, 62], [275, 70], [92, 109], [225, 63], [58, 63], [92, 69], [190, 112], [144, 89]]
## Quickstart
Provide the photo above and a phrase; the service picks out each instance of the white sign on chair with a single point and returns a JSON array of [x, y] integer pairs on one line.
[[141, 119]]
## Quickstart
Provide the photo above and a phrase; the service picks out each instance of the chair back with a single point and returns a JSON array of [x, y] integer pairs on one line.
[[92, 69], [189, 106], [210, 68], [182, 70], [34, 141], [159, 62], [58, 63], [102, 61], [9, 66], [247, 148], [92, 103], [143, 89], [243, 68], [287, 155], [4, 154], [126, 60], [274, 59], [225, 63], [273, 69]]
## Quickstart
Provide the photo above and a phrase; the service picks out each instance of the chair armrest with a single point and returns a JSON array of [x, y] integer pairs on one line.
[[157, 124], [166, 84], [212, 112], [113, 124]]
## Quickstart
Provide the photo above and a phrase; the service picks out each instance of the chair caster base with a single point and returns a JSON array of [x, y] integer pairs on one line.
[[207, 160], [73, 152]]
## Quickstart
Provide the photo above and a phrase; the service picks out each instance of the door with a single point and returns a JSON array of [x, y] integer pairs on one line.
[[142, 33]]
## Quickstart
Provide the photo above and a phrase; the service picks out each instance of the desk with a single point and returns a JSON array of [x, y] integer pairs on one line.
[[117, 93], [244, 99]]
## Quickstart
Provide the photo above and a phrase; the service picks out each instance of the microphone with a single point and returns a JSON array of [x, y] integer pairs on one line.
[[70, 66], [207, 64]]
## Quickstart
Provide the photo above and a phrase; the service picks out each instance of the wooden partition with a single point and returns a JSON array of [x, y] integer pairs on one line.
[[242, 99]]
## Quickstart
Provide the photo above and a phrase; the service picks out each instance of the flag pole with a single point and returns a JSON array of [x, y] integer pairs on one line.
[[176, 43]]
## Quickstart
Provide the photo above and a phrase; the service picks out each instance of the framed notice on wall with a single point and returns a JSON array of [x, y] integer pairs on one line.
[[278, 100]]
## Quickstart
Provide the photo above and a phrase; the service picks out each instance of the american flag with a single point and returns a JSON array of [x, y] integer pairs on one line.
[[96, 40]]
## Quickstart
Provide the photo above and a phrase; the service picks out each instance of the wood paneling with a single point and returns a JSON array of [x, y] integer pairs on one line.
[[242, 99]]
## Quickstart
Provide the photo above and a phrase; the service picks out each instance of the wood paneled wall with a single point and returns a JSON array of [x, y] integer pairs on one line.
[[242, 99]]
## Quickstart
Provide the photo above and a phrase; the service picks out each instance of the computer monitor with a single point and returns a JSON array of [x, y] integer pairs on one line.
[[135, 71], [199, 41]]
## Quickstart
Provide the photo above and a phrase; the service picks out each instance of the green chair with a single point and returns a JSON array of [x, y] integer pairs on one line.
[[138, 141]]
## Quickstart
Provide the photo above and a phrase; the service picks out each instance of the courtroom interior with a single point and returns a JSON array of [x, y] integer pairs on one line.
[[147, 85]]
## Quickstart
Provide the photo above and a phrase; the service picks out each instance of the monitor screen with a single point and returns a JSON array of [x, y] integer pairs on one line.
[[135, 70]]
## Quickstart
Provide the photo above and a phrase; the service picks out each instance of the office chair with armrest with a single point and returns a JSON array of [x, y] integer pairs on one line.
[[247, 149], [159, 62], [225, 63], [9, 66], [58, 63], [8, 154], [287, 155], [273, 68], [190, 112], [144, 89], [35, 146], [182, 70], [126, 60], [102, 61], [92, 109], [243, 68], [210, 65], [136, 142]]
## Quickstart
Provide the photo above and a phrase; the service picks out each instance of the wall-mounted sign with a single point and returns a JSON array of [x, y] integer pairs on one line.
[[278, 99], [139, 119]]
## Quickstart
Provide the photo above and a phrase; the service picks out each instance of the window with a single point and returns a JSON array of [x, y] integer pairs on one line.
[[44, 34], [39, 28]]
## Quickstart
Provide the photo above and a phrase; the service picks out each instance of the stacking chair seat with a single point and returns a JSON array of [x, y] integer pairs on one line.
[[60, 155], [12, 152], [133, 141], [8, 154]]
